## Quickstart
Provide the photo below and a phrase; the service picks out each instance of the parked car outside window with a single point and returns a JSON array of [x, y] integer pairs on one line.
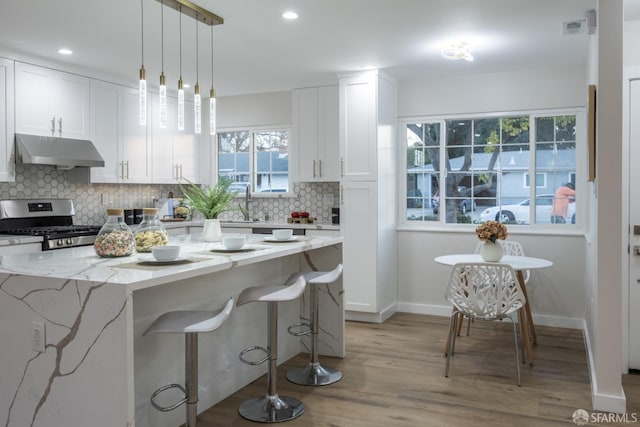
[[519, 213]]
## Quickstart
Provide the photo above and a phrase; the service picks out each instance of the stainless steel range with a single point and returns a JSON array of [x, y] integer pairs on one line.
[[50, 218]]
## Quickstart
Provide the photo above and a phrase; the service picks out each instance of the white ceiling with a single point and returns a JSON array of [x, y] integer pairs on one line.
[[255, 50]]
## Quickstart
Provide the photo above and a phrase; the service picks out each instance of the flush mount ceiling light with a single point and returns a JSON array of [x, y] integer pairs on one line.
[[457, 51], [65, 51]]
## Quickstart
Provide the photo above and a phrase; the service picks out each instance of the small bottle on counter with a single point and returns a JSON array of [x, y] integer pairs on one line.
[[115, 238], [150, 232]]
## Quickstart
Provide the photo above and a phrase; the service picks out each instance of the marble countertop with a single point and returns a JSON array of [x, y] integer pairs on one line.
[[82, 263], [9, 239]]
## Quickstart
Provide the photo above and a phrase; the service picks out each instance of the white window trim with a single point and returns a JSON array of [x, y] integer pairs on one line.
[[580, 172], [252, 172]]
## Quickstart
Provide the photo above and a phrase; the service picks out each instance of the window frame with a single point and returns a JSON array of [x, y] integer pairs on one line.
[[440, 224], [253, 130]]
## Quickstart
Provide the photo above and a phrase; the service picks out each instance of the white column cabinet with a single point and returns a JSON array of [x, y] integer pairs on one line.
[[368, 218], [51, 102], [316, 134], [7, 159]]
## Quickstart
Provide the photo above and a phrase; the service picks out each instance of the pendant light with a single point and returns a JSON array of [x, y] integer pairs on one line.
[[197, 103], [163, 83], [180, 88], [142, 88], [212, 96]]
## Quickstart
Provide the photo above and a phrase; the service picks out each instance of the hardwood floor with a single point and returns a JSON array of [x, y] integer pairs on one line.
[[394, 376]]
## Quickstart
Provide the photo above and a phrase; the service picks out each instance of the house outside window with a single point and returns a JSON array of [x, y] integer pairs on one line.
[[259, 158], [474, 169]]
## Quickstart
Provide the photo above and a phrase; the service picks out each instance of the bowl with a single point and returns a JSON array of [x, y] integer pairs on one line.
[[282, 234], [166, 252], [233, 242]]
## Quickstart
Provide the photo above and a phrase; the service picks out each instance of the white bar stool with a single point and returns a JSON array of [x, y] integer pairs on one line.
[[271, 408], [314, 373], [190, 323]]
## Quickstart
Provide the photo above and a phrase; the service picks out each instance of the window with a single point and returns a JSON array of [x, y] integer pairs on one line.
[[541, 180], [474, 169], [256, 158]]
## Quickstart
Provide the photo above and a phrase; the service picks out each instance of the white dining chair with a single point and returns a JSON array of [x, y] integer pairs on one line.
[[483, 291], [510, 247]]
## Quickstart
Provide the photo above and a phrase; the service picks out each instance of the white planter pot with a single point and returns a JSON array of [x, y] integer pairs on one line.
[[491, 252], [212, 232]]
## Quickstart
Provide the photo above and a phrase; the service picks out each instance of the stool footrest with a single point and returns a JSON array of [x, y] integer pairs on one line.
[[308, 331], [175, 405], [250, 349]]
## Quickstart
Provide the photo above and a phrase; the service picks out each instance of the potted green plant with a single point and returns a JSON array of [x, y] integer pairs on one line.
[[210, 202]]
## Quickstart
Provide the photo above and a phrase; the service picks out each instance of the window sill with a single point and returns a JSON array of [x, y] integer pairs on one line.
[[540, 230]]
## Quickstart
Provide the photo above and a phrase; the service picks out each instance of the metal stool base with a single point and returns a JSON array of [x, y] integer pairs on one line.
[[271, 410], [314, 375]]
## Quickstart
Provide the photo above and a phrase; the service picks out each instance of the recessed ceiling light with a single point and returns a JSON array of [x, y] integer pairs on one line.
[[290, 15], [369, 67], [65, 51]]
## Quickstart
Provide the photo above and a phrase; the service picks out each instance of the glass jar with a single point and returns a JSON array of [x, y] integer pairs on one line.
[[181, 210], [150, 232], [115, 238]]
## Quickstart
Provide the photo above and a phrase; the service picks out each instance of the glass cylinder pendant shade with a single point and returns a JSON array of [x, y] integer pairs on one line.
[[212, 112], [143, 96], [163, 102], [197, 109], [180, 105]]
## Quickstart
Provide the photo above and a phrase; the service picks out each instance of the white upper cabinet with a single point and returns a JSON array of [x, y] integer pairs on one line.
[[135, 158], [51, 102], [106, 129], [7, 159], [175, 153], [316, 135]]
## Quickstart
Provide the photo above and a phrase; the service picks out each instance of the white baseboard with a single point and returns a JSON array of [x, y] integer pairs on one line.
[[600, 401], [380, 317], [445, 310]]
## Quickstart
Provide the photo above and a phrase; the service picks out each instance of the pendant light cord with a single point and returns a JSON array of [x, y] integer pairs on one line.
[[197, 50], [212, 56], [162, 35], [142, 27], [180, 42]]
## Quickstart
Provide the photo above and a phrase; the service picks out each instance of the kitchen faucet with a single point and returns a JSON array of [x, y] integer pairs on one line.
[[246, 212]]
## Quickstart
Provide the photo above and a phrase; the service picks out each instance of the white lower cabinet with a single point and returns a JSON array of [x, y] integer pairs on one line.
[[322, 233], [7, 159]]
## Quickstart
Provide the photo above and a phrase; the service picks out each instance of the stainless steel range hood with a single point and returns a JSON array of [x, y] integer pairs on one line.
[[64, 153]]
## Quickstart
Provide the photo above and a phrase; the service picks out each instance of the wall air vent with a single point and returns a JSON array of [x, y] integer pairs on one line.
[[574, 27]]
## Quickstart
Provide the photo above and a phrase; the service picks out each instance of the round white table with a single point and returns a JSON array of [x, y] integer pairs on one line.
[[519, 264]]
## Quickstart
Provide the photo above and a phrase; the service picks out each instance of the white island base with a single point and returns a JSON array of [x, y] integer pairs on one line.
[[97, 368]]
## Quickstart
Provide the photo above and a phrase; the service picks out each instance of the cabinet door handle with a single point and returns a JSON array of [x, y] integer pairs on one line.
[[314, 168], [341, 166], [342, 195], [175, 171], [181, 171], [127, 169], [320, 168], [121, 170], [53, 126], [60, 126]]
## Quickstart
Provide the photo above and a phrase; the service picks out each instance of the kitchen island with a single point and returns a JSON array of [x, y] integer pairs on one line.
[[98, 370]]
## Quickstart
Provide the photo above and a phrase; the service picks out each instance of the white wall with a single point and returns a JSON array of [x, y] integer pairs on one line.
[[605, 331], [263, 109], [631, 53], [558, 293], [481, 93]]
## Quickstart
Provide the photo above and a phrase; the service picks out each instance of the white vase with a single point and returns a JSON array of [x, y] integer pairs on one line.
[[211, 232], [491, 252]]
